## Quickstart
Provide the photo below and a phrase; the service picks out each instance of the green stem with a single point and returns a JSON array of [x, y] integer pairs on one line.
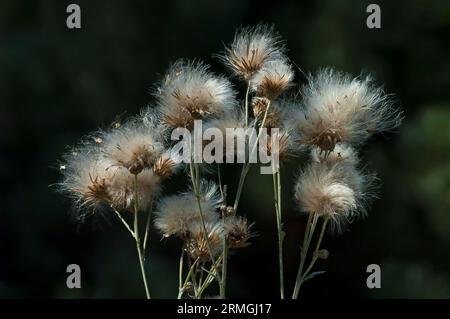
[[180, 271], [188, 276], [195, 185], [223, 286], [316, 251], [246, 104], [246, 166], [123, 222], [147, 228], [137, 238], [194, 280], [277, 200], [306, 242], [212, 273]]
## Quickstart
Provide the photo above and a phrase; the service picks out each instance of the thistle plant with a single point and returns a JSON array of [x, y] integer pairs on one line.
[[120, 171]]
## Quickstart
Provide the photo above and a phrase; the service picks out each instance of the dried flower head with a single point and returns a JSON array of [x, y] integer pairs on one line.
[[280, 116], [273, 79], [86, 177], [238, 231], [281, 113], [251, 48], [287, 147], [196, 244], [342, 154], [327, 191], [191, 92], [92, 179], [126, 188], [259, 105], [339, 108], [233, 119], [176, 213], [168, 163], [132, 146]]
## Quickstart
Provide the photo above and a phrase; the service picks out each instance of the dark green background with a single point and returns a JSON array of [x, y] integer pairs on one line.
[[58, 84]]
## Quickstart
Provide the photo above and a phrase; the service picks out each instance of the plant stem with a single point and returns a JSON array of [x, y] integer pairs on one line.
[[246, 166], [315, 256], [180, 271], [195, 185], [219, 176], [137, 238], [223, 286], [191, 270], [123, 222], [309, 232], [277, 200], [147, 228], [200, 280], [194, 280], [246, 104], [211, 275]]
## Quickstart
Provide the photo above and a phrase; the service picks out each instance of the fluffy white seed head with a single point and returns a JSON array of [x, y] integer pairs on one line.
[[238, 231], [273, 79], [168, 164], [344, 162], [196, 244], [342, 154], [280, 115], [132, 146], [233, 119], [176, 213], [251, 48], [338, 108], [191, 92], [92, 179], [327, 191], [125, 186], [86, 177]]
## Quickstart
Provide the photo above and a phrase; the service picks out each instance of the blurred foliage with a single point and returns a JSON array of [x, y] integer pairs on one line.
[[58, 84], [430, 135]]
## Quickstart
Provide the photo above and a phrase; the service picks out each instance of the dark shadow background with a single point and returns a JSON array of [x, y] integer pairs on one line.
[[58, 84]]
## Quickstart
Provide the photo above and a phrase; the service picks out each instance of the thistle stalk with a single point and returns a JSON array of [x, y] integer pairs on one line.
[[196, 184], [277, 202], [138, 240], [309, 233]]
